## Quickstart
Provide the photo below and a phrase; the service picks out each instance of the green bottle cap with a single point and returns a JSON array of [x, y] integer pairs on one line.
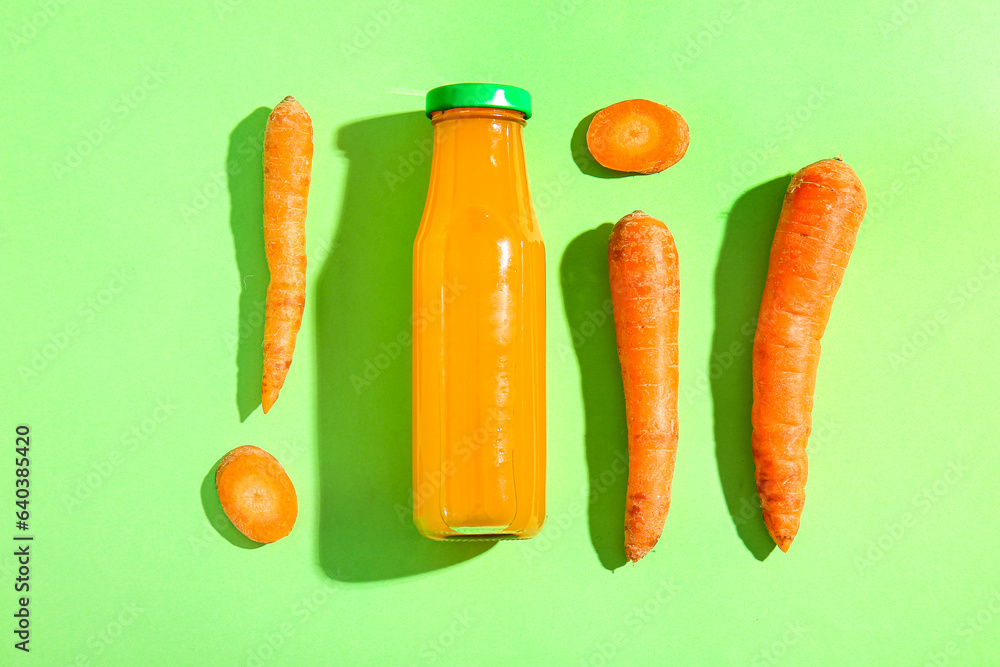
[[494, 95]]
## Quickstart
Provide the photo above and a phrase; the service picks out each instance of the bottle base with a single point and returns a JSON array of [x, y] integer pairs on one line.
[[491, 534]]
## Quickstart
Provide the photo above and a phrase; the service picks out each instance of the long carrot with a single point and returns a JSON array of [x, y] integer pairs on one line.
[[645, 294], [816, 231], [288, 149], [638, 136]]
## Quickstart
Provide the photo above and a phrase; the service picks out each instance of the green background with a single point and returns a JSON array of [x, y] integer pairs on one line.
[[134, 276]]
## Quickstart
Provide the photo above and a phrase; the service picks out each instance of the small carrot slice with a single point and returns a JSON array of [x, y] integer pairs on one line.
[[638, 136], [256, 494]]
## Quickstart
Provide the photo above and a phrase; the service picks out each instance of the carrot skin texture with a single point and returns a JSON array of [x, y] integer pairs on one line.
[[288, 150], [816, 231], [645, 294]]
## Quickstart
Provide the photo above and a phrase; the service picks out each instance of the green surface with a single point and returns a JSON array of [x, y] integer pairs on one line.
[[134, 274]]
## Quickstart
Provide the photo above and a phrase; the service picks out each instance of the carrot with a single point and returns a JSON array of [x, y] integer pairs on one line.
[[288, 148], [638, 136], [256, 494], [819, 222], [645, 293]]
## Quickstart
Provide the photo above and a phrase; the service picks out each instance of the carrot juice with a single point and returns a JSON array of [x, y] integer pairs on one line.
[[478, 325]]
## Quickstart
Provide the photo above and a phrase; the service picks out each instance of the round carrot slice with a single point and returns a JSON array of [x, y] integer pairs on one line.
[[256, 494], [638, 136]]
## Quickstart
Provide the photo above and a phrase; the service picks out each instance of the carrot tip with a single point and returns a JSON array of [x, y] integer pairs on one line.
[[783, 543], [634, 553], [267, 400]]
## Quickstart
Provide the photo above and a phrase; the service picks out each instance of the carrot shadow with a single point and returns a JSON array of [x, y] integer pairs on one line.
[[245, 172], [363, 302], [581, 154], [739, 283], [217, 516], [586, 291]]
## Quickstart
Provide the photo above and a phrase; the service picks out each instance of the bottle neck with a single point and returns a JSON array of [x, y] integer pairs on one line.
[[461, 113], [479, 154]]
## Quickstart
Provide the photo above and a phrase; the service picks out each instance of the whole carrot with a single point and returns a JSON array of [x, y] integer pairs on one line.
[[288, 149], [818, 225], [645, 294]]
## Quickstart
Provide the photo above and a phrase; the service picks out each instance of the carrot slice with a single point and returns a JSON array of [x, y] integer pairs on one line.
[[256, 494], [638, 136]]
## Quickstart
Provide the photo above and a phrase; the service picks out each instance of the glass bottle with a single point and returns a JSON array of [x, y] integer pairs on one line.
[[478, 325]]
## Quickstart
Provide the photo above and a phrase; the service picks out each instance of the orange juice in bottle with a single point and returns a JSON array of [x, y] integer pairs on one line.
[[478, 324]]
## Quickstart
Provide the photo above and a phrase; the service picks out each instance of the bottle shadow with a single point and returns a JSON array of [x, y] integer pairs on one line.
[[586, 289], [739, 283], [245, 173], [581, 154], [363, 303]]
